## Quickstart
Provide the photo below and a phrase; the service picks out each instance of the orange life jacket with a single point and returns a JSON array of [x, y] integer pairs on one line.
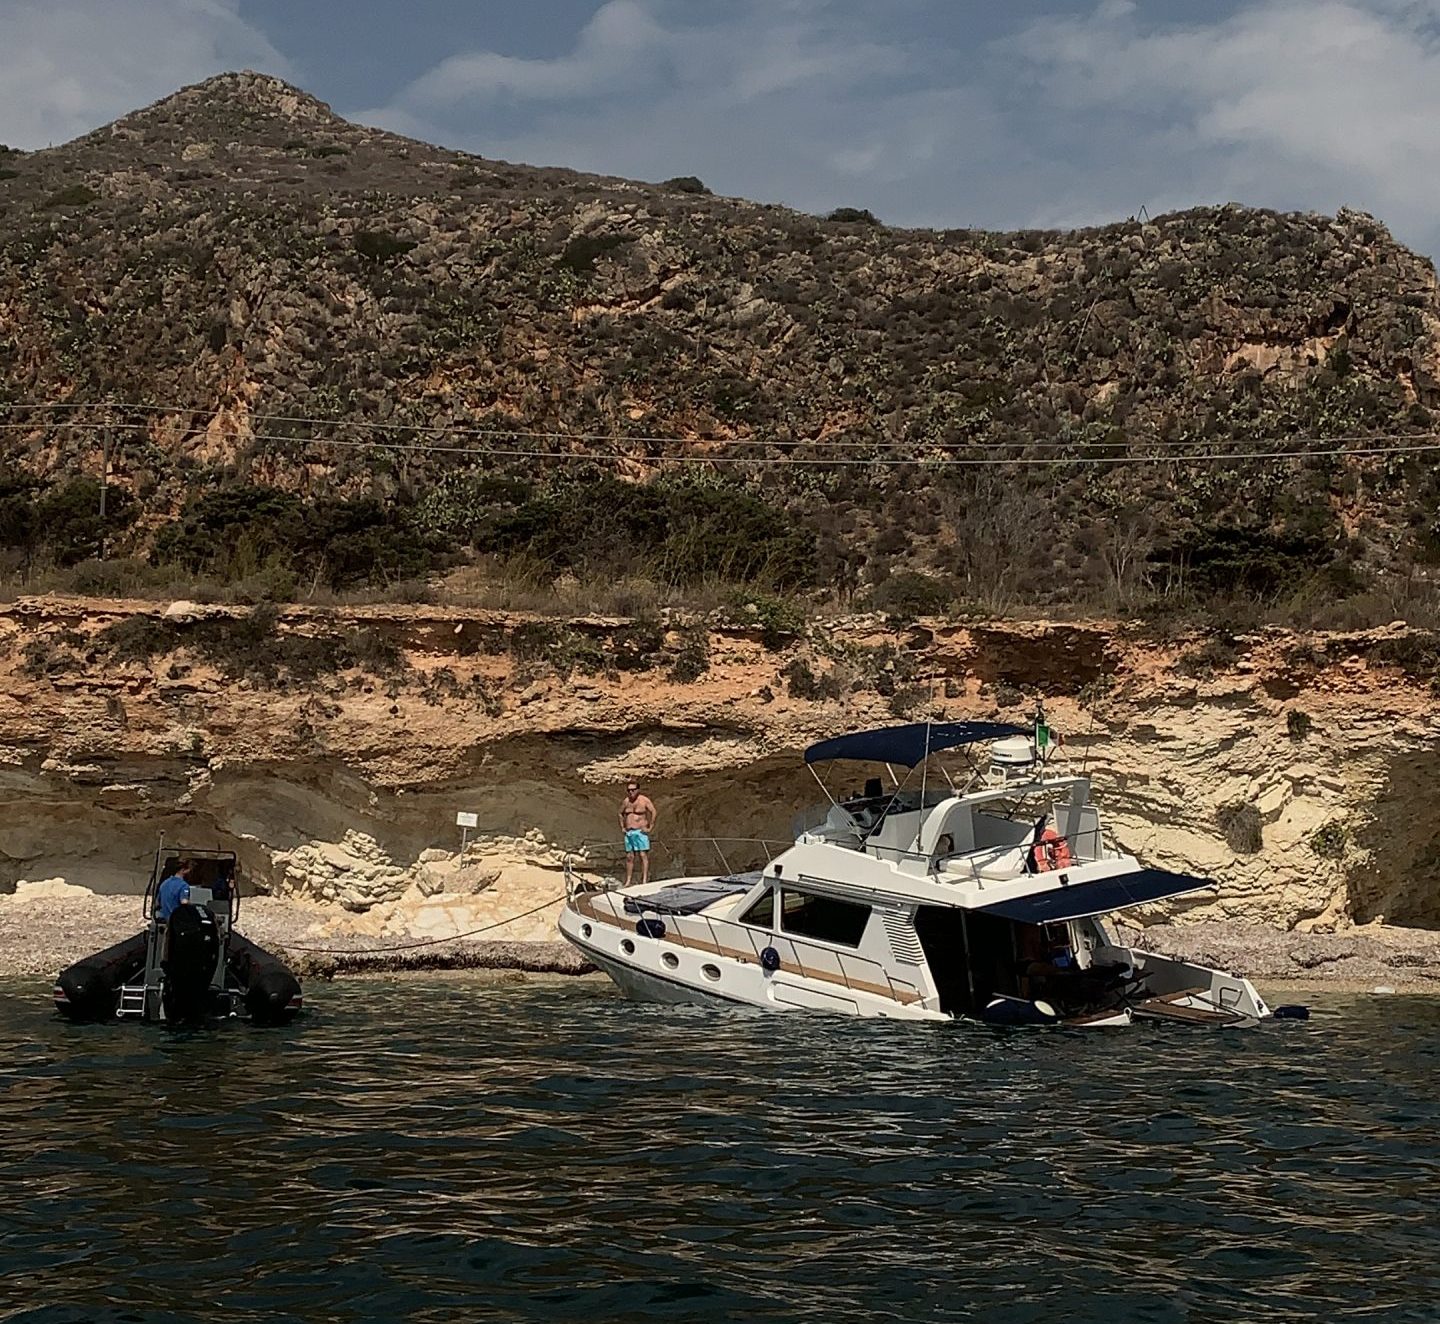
[[1052, 851]]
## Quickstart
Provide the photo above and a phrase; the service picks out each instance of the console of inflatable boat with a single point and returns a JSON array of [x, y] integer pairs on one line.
[[191, 967]]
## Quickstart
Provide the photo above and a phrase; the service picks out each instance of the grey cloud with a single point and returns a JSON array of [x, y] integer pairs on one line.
[[1290, 103], [611, 54], [67, 66], [1075, 116]]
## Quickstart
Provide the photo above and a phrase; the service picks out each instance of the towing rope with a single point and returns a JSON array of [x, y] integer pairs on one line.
[[423, 942]]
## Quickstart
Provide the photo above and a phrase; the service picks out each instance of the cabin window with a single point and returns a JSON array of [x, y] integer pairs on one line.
[[823, 917], [762, 913]]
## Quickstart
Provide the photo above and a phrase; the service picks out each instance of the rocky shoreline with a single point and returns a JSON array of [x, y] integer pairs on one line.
[[1373, 957], [42, 933]]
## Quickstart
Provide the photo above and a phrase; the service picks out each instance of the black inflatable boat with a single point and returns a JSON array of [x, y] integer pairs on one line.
[[189, 963]]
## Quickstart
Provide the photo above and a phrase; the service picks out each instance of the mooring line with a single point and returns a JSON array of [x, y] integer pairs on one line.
[[424, 942]]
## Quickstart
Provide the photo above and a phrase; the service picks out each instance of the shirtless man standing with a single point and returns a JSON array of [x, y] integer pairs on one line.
[[637, 822]]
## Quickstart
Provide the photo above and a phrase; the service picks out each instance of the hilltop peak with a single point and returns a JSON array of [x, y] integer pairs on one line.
[[241, 102]]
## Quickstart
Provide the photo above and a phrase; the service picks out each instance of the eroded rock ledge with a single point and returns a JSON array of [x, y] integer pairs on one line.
[[339, 783]]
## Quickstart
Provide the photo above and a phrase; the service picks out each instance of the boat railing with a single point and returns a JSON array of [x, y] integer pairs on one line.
[[745, 849], [748, 947], [967, 865], [818, 965], [734, 855]]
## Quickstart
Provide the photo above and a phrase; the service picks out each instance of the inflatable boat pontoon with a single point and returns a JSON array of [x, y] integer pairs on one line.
[[193, 967]]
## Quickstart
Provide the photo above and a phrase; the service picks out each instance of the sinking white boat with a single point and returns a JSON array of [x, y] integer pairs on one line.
[[980, 900]]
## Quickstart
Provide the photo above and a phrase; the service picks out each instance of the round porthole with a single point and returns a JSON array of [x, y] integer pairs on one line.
[[711, 972], [627, 947], [672, 962], [586, 930]]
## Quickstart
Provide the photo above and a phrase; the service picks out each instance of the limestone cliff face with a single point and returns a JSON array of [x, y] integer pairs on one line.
[[334, 748]]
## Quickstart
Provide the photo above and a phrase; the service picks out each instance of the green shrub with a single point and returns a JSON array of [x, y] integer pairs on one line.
[[1298, 724], [369, 650], [137, 638], [1240, 823], [1204, 660], [238, 532], [908, 594], [853, 216], [7, 173], [685, 184], [1415, 654], [802, 682], [684, 533], [580, 254], [52, 655], [693, 659], [779, 619], [1329, 841], [638, 645], [76, 195], [562, 649], [907, 698], [110, 579], [375, 246], [60, 521], [1008, 696], [533, 641], [1225, 561], [251, 647]]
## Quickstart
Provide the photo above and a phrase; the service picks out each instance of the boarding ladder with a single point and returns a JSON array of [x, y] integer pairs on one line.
[[132, 1001]]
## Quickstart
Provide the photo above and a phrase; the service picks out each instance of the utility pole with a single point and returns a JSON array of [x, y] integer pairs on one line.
[[104, 480]]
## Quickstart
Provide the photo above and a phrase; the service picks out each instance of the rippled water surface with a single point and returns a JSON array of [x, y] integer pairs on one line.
[[436, 1149]]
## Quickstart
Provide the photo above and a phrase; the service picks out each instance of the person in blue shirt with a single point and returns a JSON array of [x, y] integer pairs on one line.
[[174, 891]]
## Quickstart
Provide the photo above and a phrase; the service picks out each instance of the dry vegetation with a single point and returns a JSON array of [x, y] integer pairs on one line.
[[269, 280]]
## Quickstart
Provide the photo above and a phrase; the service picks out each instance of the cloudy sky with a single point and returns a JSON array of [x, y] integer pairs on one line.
[[929, 112]]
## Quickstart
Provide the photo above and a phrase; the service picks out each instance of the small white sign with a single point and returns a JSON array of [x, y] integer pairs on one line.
[[467, 820]]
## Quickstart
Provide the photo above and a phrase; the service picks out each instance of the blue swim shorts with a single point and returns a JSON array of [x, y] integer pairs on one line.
[[635, 840]]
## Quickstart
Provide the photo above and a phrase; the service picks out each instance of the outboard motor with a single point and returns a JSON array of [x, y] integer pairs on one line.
[[192, 953]]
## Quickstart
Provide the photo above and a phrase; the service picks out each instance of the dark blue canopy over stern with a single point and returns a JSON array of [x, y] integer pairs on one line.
[[1099, 897], [910, 744]]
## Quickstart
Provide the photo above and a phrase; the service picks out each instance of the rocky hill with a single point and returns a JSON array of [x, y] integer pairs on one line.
[[262, 301]]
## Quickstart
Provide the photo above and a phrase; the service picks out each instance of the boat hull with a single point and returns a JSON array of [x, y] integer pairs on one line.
[[640, 986], [642, 974], [90, 989]]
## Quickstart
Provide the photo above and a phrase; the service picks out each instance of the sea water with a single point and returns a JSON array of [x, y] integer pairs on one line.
[[450, 1149]]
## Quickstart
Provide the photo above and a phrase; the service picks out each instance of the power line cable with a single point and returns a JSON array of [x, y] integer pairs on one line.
[[944, 460]]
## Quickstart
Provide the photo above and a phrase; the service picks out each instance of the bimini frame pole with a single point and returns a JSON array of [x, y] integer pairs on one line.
[[825, 790], [924, 768]]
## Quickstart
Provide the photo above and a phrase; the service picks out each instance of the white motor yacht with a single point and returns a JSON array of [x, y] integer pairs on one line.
[[979, 897]]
